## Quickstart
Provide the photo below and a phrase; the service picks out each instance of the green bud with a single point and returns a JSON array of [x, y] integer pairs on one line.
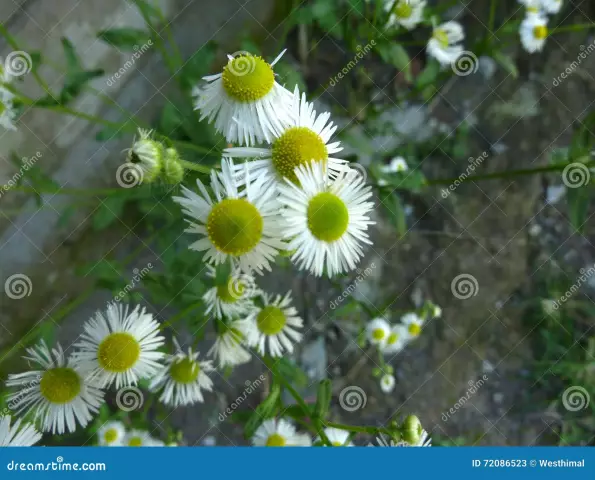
[[173, 171], [411, 430], [143, 163], [376, 372]]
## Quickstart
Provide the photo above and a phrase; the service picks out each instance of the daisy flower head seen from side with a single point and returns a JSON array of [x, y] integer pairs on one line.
[[444, 45], [19, 435], [183, 378], [232, 299], [278, 433], [120, 347], [407, 13], [272, 328], [245, 102], [147, 156], [378, 332], [413, 323], [111, 434], [228, 350], [327, 219], [7, 111], [58, 394], [244, 227], [337, 437], [534, 32], [306, 139]]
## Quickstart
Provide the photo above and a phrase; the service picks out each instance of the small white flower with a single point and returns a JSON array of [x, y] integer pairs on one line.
[[112, 434], [414, 324], [58, 394], [551, 6], [378, 331], [120, 347], [436, 311], [182, 378], [534, 32], [17, 435], [228, 349], [396, 340], [307, 139], [327, 219], [407, 13], [444, 45], [387, 383], [337, 437], [232, 299], [397, 164], [246, 103], [7, 111], [272, 329], [148, 155], [385, 441], [245, 227], [279, 433], [138, 438]]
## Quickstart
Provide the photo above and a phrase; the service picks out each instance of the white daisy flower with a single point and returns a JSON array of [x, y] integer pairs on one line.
[[534, 32], [58, 394], [17, 435], [305, 140], [396, 165], [414, 324], [378, 331], [7, 111], [120, 347], [385, 441], [112, 434], [337, 437], [182, 378], [396, 340], [444, 45], [148, 155], [278, 433], [272, 329], [551, 6], [387, 383], [327, 219], [138, 438], [246, 103], [228, 350], [246, 227], [407, 13], [232, 299]]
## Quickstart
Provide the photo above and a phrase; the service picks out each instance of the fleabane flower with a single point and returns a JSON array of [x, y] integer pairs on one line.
[[272, 329], [327, 219], [227, 349], [413, 323], [307, 138], [279, 433], [385, 441], [245, 227], [232, 299], [387, 383], [378, 331], [138, 438], [551, 6], [444, 45], [58, 394], [111, 434], [245, 102], [18, 435], [120, 347], [407, 13], [534, 32], [183, 378], [396, 339], [147, 155], [337, 437], [7, 111]]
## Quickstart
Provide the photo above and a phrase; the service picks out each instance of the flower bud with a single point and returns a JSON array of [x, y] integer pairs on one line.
[[411, 430], [173, 171], [148, 155]]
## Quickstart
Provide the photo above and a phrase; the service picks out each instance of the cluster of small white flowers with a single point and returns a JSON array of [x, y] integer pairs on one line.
[[115, 434], [534, 30]]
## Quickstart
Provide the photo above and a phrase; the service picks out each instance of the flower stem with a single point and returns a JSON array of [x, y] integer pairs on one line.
[[572, 28]]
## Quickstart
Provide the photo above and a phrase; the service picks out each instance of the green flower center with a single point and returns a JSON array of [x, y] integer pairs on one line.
[[540, 32], [118, 352], [110, 436], [403, 9], [442, 37], [184, 371], [234, 226], [336, 444], [378, 334], [247, 78], [392, 338], [231, 292], [328, 217], [271, 320], [60, 385], [275, 440], [414, 329], [297, 146], [135, 442]]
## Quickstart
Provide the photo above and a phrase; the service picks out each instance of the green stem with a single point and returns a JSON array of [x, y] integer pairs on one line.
[[180, 315], [572, 28], [492, 19], [357, 429], [194, 166]]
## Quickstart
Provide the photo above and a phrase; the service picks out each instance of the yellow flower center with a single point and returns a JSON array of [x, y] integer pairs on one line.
[[403, 9], [271, 320], [392, 338], [235, 226], [118, 352], [184, 371], [328, 217], [378, 334], [336, 444], [540, 32], [135, 442], [414, 329], [110, 436], [60, 385], [275, 440], [297, 146], [231, 292], [247, 78], [442, 37]]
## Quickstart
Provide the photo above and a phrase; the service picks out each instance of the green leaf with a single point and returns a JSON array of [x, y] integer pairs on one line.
[[171, 119], [75, 82], [73, 63], [506, 62], [148, 11], [197, 66], [396, 55], [129, 39], [108, 211], [265, 410], [323, 399], [578, 206], [396, 213], [428, 75]]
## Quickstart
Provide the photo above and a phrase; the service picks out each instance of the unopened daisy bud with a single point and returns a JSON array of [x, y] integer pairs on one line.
[[173, 171], [387, 383], [411, 430], [147, 154]]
